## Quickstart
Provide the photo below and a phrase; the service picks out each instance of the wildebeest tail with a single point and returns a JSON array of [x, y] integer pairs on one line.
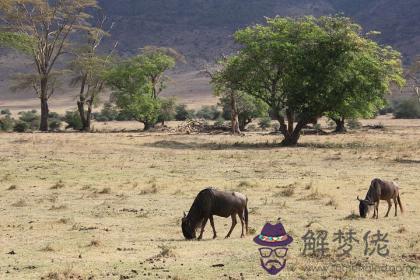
[[399, 203], [246, 215]]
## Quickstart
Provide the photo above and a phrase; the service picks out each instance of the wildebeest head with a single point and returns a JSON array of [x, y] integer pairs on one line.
[[364, 207], [187, 229]]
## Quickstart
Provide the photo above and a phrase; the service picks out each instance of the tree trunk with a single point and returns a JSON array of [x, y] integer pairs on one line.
[[234, 115], [81, 109], [340, 125], [243, 123], [291, 139], [88, 117], [44, 115], [147, 126], [44, 105]]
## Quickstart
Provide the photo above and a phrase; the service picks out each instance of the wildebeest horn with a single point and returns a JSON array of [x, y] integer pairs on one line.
[[185, 214], [358, 198]]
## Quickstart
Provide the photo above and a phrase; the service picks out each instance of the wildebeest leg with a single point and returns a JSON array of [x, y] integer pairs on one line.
[[212, 226], [241, 217], [395, 204], [377, 209], [203, 225], [234, 222], [389, 207]]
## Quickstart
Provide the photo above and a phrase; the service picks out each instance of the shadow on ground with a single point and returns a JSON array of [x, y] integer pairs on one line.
[[169, 144]]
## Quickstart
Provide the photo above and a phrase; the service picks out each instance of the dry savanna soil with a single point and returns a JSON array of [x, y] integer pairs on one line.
[[109, 205]]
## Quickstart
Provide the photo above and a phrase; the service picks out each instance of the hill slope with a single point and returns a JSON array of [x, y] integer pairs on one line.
[[202, 29]]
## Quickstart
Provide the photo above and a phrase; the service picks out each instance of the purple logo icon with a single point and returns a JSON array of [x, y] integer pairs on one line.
[[274, 241]]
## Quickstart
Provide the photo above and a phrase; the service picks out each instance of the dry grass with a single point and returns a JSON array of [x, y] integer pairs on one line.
[[105, 191], [47, 248], [158, 175], [20, 203], [151, 190], [59, 185]]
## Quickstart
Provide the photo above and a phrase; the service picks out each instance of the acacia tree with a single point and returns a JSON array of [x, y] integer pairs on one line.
[[136, 84], [47, 25], [247, 107], [299, 67], [225, 86], [90, 69]]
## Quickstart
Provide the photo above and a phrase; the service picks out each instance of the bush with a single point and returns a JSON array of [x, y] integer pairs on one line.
[[182, 113], [5, 112], [264, 123], [387, 110], [167, 110], [20, 126], [54, 121], [219, 122], [354, 124], [54, 124], [73, 120], [7, 123], [31, 118], [108, 113], [209, 113], [408, 109]]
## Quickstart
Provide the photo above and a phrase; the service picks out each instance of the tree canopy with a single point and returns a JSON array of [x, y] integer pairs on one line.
[[137, 82], [305, 68], [42, 29]]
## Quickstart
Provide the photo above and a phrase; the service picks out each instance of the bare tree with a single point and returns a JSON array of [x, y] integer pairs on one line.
[[48, 24]]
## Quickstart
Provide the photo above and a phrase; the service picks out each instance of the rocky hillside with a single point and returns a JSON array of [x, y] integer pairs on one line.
[[202, 29]]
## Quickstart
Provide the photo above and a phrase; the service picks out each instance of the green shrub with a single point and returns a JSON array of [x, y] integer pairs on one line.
[[20, 126], [167, 110], [5, 112], [72, 118], [408, 109], [219, 122], [123, 116], [182, 113], [6, 123], [110, 113], [387, 110], [54, 124], [264, 123], [209, 113], [31, 118], [54, 121]]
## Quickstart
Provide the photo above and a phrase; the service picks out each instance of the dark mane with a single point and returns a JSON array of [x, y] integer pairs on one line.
[[197, 210]]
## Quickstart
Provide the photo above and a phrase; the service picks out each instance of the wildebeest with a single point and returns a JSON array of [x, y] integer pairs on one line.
[[211, 202], [380, 190]]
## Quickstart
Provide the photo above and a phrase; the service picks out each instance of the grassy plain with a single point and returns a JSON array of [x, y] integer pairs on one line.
[[108, 205]]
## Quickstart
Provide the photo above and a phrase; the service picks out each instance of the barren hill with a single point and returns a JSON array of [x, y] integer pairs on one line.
[[202, 30]]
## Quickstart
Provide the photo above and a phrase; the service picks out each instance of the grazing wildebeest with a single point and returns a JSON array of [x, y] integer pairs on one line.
[[380, 190], [211, 202]]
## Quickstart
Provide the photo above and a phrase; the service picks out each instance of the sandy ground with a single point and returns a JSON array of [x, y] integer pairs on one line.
[[108, 205]]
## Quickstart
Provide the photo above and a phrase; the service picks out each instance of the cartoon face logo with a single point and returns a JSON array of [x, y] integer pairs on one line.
[[274, 240]]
